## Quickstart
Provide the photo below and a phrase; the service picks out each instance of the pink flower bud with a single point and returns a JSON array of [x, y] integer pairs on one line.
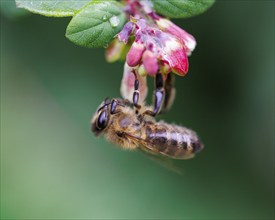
[[187, 39], [175, 55], [134, 55], [125, 33], [179, 62], [114, 51], [128, 82], [150, 63]]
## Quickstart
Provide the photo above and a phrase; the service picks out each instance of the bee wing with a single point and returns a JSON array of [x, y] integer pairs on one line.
[[147, 146], [155, 156], [165, 162]]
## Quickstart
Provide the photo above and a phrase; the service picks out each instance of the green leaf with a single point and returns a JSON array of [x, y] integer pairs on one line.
[[181, 8], [53, 8], [96, 24]]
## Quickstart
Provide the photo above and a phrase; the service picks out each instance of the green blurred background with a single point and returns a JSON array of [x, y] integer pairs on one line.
[[52, 166]]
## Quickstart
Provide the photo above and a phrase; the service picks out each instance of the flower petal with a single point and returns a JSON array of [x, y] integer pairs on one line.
[[150, 63], [179, 62], [187, 39], [175, 55], [128, 82], [125, 33], [134, 55]]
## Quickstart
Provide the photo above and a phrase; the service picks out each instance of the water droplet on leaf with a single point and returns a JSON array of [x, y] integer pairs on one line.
[[104, 17], [114, 21]]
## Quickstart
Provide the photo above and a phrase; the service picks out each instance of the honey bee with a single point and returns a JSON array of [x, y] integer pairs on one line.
[[132, 126]]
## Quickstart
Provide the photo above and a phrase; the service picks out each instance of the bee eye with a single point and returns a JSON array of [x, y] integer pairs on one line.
[[102, 121]]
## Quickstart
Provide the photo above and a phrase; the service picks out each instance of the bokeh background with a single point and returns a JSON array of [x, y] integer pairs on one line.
[[52, 166]]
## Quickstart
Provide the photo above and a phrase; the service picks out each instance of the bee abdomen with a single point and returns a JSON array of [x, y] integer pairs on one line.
[[174, 141]]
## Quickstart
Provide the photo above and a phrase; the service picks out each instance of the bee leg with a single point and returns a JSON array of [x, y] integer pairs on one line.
[[170, 93], [159, 96], [114, 104], [136, 94]]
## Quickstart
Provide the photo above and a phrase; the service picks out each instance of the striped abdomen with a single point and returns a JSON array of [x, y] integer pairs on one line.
[[172, 140]]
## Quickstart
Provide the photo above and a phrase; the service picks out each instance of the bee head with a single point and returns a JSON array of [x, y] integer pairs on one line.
[[100, 119], [102, 116]]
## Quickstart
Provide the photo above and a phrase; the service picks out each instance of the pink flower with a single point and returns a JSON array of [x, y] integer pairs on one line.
[[155, 49], [150, 62], [125, 33], [187, 39], [134, 55], [159, 46], [175, 55]]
